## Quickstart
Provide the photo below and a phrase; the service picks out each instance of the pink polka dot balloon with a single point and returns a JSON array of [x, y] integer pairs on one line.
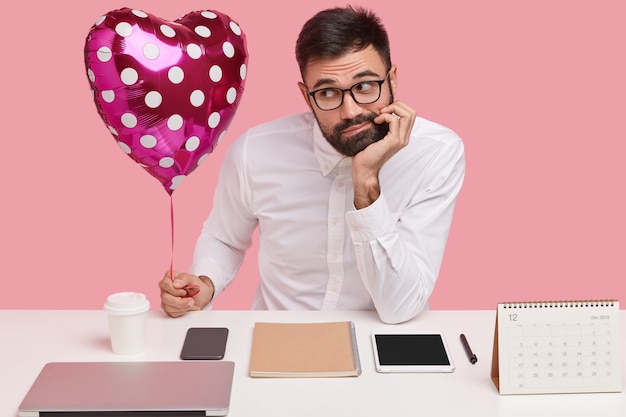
[[166, 90]]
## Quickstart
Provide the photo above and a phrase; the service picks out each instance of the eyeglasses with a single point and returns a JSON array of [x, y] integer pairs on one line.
[[364, 92]]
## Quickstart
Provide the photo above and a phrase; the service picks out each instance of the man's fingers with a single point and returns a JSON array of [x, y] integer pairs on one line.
[[175, 306]]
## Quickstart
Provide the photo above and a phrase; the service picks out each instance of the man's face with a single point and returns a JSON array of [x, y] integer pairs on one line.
[[350, 127]]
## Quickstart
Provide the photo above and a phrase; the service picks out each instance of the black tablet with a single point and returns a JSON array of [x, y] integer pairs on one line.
[[411, 352]]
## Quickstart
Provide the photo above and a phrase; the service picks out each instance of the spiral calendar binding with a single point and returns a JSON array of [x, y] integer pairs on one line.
[[558, 304]]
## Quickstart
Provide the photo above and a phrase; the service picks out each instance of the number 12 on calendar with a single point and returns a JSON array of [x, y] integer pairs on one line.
[[557, 347]]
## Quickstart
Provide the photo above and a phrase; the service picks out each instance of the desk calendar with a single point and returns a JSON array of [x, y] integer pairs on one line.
[[557, 347]]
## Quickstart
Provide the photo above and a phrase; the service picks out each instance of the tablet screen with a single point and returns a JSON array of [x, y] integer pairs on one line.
[[395, 352]]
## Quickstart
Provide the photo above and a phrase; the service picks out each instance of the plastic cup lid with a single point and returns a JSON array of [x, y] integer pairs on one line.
[[123, 303]]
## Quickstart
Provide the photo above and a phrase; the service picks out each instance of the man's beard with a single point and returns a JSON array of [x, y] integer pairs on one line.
[[350, 146]]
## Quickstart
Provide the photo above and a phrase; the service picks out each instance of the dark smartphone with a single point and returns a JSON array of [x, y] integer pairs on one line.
[[204, 343]]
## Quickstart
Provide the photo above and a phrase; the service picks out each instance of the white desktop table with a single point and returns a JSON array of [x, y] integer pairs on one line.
[[31, 338]]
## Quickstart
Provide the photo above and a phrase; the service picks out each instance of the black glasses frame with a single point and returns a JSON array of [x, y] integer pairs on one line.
[[349, 90]]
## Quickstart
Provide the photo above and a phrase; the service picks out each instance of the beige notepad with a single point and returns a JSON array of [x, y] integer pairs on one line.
[[325, 349]]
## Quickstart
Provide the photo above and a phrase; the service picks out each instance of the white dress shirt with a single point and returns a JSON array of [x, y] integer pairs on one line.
[[316, 251]]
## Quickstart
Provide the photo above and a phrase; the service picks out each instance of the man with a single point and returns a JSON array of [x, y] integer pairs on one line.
[[353, 200]]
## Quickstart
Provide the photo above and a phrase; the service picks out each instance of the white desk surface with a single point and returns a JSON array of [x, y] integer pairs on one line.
[[31, 338]]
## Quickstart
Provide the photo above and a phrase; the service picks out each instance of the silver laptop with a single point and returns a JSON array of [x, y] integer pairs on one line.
[[194, 388]]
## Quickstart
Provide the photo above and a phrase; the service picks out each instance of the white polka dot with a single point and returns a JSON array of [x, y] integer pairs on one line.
[[124, 29], [167, 31], [214, 119], [202, 158], [208, 14], [192, 143], [112, 130], [194, 51], [148, 141], [176, 181], [231, 95], [166, 162], [175, 122], [243, 71], [229, 49], [219, 139], [153, 99], [151, 51], [91, 75], [139, 13], [196, 98], [100, 20], [235, 28], [202, 31], [104, 54], [129, 120], [124, 147], [129, 76], [108, 95], [176, 75], [215, 73]]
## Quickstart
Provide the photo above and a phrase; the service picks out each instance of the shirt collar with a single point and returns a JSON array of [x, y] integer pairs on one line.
[[327, 156]]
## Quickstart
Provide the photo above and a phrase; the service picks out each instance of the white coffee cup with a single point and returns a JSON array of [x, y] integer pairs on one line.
[[127, 313]]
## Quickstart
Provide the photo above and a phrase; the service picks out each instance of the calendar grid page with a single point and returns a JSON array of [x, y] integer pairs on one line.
[[558, 347]]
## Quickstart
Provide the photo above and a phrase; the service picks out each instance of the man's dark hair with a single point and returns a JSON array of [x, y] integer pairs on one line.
[[337, 31]]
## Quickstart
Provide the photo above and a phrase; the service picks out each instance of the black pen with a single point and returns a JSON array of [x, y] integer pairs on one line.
[[470, 355]]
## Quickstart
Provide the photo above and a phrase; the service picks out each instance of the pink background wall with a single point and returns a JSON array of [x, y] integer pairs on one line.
[[535, 88]]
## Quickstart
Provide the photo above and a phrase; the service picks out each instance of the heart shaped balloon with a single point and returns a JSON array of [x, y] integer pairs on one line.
[[166, 90]]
